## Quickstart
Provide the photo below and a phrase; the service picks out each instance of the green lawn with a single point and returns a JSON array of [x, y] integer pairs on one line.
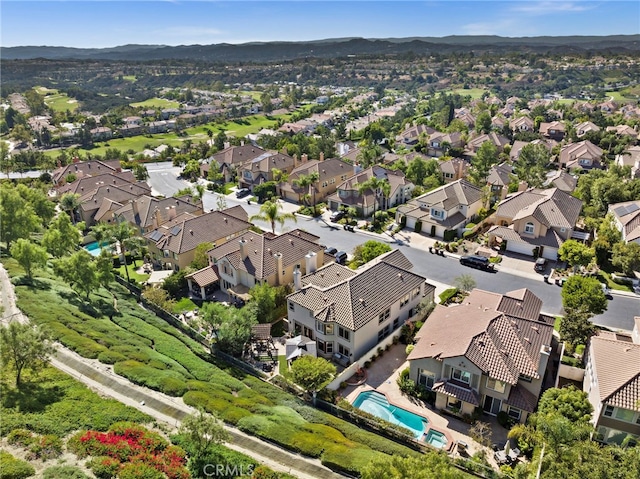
[[140, 278], [474, 93], [605, 277], [61, 102], [43, 90], [556, 323], [185, 304], [156, 102], [130, 78]]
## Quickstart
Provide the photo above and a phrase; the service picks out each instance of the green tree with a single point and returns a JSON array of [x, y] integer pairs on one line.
[[271, 212], [79, 270], [584, 295], [263, 296], [486, 157], [570, 402], [220, 140], [312, 373], [29, 255], [104, 268], [19, 219], [200, 258], [417, 170], [576, 253], [532, 163], [576, 328], [160, 297], [140, 171], [426, 466], [202, 431], [232, 326], [304, 183], [626, 257], [62, 237], [369, 250], [465, 282], [24, 347], [176, 283], [69, 202], [379, 187], [483, 122], [42, 206], [124, 234]]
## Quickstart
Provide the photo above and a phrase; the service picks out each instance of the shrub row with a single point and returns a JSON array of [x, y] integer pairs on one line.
[[12, 468]]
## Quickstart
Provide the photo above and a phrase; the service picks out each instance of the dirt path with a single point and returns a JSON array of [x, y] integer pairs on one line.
[[169, 410]]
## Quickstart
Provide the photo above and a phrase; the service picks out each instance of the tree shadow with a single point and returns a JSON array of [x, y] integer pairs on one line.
[[31, 397], [34, 283]]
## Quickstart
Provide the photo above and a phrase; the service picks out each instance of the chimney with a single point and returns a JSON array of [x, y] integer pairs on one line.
[[172, 212], [241, 142], [295, 161], [356, 168], [226, 144], [156, 219], [297, 278], [134, 208], [460, 170], [311, 262], [243, 249], [304, 157], [284, 150], [279, 268], [522, 186], [321, 157]]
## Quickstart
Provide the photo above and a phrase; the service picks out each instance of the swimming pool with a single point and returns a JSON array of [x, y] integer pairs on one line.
[[376, 403], [94, 248], [436, 439]]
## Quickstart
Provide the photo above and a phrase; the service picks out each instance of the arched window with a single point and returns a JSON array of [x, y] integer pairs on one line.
[[529, 228]]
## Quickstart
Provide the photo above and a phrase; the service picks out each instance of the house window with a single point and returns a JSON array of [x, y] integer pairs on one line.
[[325, 346], [247, 175], [396, 323], [291, 306], [382, 317], [426, 378], [529, 228], [343, 177], [308, 332], [325, 184], [384, 332], [404, 301], [454, 404], [514, 413], [437, 213], [495, 385], [344, 351], [415, 293], [344, 333], [462, 376], [526, 379], [324, 328], [608, 411]]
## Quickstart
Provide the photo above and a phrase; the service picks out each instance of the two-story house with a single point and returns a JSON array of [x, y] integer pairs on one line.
[[454, 169], [348, 193], [260, 169], [80, 169], [500, 176], [554, 130], [264, 258], [474, 144], [449, 207], [440, 143], [491, 352], [535, 219], [612, 384], [147, 212], [631, 158], [172, 245], [586, 127], [412, 134], [331, 173], [348, 312], [626, 219], [521, 124], [580, 156], [97, 205]]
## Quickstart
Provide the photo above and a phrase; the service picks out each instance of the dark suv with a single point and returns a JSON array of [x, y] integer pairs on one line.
[[478, 262], [336, 216], [541, 265]]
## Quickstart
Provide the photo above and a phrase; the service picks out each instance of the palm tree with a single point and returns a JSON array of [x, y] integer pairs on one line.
[[279, 176], [102, 233], [69, 202], [270, 211], [124, 235], [379, 186]]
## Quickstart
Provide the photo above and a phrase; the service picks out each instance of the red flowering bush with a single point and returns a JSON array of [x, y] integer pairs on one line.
[[132, 451]]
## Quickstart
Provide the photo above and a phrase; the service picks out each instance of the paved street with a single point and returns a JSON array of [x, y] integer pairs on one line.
[[440, 270]]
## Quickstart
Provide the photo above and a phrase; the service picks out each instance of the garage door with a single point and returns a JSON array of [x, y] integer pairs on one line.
[[522, 248], [550, 253]]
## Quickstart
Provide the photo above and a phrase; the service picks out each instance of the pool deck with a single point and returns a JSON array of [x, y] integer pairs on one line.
[[382, 376]]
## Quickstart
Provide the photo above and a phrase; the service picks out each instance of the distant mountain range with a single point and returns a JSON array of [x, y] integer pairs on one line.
[[333, 48]]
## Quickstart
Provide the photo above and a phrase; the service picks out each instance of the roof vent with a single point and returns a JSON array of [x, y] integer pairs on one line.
[[535, 328], [255, 251], [225, 219], [400, 275], [504, 351], [325, 299], [322, 275], [191, 232], [527, 340], [361, 301]]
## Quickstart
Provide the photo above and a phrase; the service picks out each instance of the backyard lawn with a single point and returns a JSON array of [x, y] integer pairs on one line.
[[155, 102], [474, 93], [140, 278]]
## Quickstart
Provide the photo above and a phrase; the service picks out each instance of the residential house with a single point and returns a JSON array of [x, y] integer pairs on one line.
[[260, 258], [498, 122], [331, 173], [84, 168], [454, 169], [491, 352], [623, 130], [146, 213], [260, 169], [97, 205], [521, 124], [349, 312], [412, 134], [608, 106], [366, 202], [499, 178], [474, 144], [580, 156], [554, 130], [160, 126], [447, 208], [229, 160], [517, 146], [465, 116], [132, 120], [586, 127], [535, 219], [172, 244], [101, 133], [630, 157], [84, 184], [562, 180], [612, 384], [130, 130], [169, 113], [439, 143], [626, 218]]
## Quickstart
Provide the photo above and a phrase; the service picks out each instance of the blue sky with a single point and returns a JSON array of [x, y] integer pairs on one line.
[[110, 23]]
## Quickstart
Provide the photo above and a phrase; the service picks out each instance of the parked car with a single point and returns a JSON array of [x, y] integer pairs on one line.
[[605, 290], [331, 250], [242, 192], [336, 216], [541, 265], [341, 257], [478, 262]]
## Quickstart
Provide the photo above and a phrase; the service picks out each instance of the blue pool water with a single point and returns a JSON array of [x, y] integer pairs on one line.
[[94, 248], [436, 439], [375, 403]]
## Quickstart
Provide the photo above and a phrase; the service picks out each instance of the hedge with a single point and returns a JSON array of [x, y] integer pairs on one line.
[[12, 468], [66, 472], [447, 294]]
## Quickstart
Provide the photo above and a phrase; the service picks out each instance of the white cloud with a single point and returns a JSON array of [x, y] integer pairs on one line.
[[543, 8]]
